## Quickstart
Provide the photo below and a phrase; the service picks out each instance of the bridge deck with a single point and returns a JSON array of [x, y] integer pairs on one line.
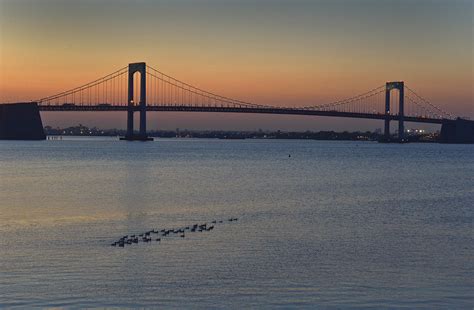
[[263, 110]]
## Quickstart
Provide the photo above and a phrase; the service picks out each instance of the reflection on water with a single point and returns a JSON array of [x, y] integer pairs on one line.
[[336, 224]]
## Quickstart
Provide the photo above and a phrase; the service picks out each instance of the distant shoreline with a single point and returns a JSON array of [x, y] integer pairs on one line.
[[83, 131]]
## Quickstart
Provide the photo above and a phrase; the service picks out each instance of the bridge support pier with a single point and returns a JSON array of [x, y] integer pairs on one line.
[[132, 107], [457, 131], [389, 86], [21, 121], [387, 115], [401, 113]]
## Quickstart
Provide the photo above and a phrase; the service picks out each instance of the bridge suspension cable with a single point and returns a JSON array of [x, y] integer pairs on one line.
[[430, 108], [360, 102], [185, 91], [99, 91]]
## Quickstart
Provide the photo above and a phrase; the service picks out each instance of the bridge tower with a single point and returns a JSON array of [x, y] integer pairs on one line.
[[389, 86], [134, 106]]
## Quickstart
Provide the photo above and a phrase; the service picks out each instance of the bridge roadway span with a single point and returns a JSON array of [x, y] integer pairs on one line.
[[262, 110]]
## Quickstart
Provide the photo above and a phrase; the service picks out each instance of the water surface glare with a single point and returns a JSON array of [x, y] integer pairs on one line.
[[336, 225]]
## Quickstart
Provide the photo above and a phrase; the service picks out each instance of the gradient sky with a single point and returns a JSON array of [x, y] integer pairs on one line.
[[269, 52]]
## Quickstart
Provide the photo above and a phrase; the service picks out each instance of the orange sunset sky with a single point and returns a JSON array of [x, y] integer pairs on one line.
[[291, 53]]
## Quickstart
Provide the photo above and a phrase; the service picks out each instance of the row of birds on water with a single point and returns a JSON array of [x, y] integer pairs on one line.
[[156, 235]]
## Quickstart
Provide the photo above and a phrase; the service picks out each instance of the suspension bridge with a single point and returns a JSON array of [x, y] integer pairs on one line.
[[141, 88]]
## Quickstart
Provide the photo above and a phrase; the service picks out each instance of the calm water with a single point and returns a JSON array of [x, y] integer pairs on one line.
[[337, 224]]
